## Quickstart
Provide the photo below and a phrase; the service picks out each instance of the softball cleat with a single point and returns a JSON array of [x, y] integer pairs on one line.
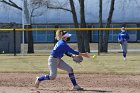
[[77, 87], [124, 59], [37, 82]]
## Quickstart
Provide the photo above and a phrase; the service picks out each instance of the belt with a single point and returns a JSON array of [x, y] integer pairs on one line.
[[53, 56]]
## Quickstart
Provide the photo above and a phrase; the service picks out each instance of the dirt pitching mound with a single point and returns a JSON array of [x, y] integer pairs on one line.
[[92, 83]]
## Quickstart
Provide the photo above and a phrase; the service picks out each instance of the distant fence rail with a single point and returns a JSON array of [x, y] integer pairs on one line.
[[76, 29]]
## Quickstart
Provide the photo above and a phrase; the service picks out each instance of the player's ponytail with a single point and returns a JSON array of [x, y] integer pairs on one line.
[[58, 34]]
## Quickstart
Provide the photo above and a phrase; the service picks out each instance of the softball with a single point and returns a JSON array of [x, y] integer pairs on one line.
[[94, 57]]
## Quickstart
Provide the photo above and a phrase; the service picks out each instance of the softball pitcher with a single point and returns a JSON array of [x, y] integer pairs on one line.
[[123, 39], [55, 61]]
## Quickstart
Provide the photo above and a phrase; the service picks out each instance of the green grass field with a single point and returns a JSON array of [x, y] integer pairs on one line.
[[111, 63]]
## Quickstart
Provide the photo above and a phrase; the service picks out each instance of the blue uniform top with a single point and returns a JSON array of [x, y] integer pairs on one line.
[[61, 48], [123, 36]]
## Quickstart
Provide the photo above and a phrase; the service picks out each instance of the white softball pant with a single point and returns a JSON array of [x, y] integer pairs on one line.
[[54, 63], [124, 46]]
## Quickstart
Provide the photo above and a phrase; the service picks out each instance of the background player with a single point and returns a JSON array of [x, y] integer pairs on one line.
[[123, 38], [55, 61]]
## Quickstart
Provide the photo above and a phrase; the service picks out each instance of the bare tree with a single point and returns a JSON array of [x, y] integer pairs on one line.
[[57, 5], [11, 3], [28, 21], [106, 33], [36, 4], [32, 9], [78, 33], [100, 47], [85, 36], [82, 36]]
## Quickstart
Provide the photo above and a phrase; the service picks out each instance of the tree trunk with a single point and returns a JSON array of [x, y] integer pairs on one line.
[[78, 33], [30, 40], [106, 33], [85, 36], [28, 21], [100, 46]]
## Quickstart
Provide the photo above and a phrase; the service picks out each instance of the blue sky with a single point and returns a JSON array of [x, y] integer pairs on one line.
[[125, 11]]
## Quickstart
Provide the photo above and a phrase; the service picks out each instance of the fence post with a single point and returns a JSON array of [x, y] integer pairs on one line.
[[99, 42], [14, 36]]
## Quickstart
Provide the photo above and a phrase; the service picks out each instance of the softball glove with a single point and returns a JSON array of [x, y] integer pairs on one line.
[[77, 59]]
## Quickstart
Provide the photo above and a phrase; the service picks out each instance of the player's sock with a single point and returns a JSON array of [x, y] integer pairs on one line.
[[124, 54], [44, 77], [72, 78]]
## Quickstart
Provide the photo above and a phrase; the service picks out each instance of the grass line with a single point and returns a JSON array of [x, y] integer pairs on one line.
[[111, 63]]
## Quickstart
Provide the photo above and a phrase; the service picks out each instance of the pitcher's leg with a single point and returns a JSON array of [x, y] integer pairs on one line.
[[64, 66], [124, 47], [52, 65]]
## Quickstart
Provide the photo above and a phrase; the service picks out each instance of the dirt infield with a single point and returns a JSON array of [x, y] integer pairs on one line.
[[92, 83]]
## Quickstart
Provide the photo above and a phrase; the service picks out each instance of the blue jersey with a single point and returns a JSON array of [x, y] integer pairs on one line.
[[61, 48], [123, 36]]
